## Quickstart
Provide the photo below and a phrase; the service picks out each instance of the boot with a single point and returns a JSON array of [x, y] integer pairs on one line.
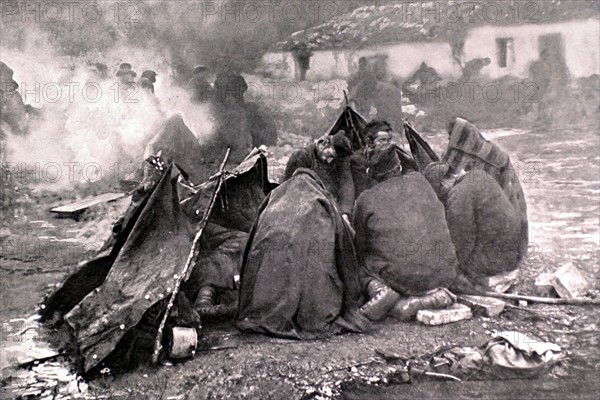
[[406, 309], [374, 287], [383, 298], [206, 298]]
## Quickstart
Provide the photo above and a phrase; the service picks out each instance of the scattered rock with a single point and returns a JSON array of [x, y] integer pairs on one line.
[[569, 282], [543, 285], [454, 313], [480, 305], [502, 282]]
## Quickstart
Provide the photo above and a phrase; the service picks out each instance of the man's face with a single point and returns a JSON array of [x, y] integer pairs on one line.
[[326, 151], [381, 138]]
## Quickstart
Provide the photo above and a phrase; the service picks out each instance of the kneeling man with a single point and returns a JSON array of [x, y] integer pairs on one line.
[[402, 239]]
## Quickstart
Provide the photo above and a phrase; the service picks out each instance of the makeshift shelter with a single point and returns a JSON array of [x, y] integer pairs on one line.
[[111, 294], [156, 248]]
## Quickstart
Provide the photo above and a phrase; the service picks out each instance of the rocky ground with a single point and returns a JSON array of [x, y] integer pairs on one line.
[[559, 171]]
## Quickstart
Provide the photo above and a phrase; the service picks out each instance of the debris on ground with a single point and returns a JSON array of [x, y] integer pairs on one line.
[[74, 210], [569, 282], [543, 285], [454, 313], [502, 282], [481, 305]]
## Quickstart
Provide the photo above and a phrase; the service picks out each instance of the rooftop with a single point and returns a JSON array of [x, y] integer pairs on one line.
[[402, 21]]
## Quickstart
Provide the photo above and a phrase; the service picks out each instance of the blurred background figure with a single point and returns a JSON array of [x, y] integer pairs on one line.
[[147, 80], [199, 86]]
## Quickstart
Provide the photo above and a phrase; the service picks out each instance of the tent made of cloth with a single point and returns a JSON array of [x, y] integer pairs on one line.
[[422, 153], [108, 295], [143, 273]]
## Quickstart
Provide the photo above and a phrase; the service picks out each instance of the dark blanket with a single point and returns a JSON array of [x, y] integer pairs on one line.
[[299, 273], [336, 177], [484, 226], [402, 237]]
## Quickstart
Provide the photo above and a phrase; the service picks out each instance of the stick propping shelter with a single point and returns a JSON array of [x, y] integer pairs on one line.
[[190, 259]]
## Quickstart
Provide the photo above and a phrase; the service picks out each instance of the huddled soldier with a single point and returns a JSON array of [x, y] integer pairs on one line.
[[483, 223], [402, 240]]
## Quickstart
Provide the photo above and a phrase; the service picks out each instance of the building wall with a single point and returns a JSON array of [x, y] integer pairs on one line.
[[279, 65], [581, 43], [403, 60]]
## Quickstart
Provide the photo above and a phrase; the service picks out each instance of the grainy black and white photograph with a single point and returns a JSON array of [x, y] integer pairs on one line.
[[300, 199]]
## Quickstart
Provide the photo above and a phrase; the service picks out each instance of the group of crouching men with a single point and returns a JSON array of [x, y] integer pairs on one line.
[[350, 238]]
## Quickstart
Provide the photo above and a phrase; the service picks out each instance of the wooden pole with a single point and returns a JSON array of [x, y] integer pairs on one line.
[[542, 300], [188, 263]]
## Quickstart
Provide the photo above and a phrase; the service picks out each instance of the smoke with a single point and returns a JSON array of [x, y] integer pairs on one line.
[[91, 128], [86, 124]]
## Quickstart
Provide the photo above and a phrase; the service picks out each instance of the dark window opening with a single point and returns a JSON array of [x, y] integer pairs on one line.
[[505, 48]]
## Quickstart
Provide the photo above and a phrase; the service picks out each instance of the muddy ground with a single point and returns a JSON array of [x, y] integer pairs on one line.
[[559, 171]]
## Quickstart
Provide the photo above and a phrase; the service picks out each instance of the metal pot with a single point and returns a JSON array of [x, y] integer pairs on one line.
[[183, 342]]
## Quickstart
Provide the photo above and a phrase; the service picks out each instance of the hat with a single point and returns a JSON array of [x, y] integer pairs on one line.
[[341, 144], [151, 75], [199, 68], [377, 125], [382, 159], [125, 69]]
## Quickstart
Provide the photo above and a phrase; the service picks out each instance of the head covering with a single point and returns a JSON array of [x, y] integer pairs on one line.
[[151, 75], [382, 159], [125, 69], [435, 173], [377, 125], [341, 144]]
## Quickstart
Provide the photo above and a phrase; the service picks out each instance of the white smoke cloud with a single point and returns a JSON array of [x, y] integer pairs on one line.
[[92, 126]]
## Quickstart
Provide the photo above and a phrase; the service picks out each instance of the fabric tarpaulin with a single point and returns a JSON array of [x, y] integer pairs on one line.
[[157, 247], [243, 190], [422, 153]]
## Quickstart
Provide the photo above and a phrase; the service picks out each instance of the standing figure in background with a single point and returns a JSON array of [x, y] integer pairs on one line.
[[230, 85], [147, 80], [540, 72], [362, 88], [198, 86], [302, 55], [12, 110]]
